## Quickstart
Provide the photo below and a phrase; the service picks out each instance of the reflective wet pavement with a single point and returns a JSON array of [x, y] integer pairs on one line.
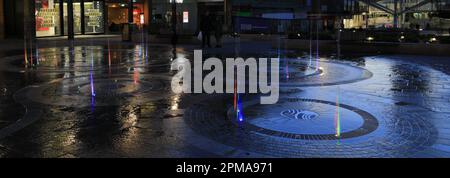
[[116, 101]]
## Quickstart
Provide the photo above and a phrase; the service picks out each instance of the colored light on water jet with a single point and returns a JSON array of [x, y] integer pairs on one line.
[[109, 54], [239, 114], [37, 54], [235, 94], [135, 76], [25, 54], [92, 85], [91, 74], [31, 54], [287, 69], [338, 117], [92, 103]]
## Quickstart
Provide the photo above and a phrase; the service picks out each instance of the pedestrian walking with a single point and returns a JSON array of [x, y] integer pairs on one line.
[[205, 29], [218, 31]]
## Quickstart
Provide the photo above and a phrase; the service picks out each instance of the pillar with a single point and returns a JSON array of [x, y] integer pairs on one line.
[[228, 7], [29, 20], [148, 8], [130, 17], [70, 31], [82, 17], [315, 11], [61, 17], [174, 23], [2, 21], [395, 13], [105, 17]]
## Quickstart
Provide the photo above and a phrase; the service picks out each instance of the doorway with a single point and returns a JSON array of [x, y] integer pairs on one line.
[[52, 17]]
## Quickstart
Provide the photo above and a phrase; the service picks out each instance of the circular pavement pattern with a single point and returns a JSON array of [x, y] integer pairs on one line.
[[303, 73], [299, 114], [89, 58], [317, 119], [101, 90], [261, 131]]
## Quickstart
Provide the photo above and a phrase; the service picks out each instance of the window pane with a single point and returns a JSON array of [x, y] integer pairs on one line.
[[93, 12], [47, 18]]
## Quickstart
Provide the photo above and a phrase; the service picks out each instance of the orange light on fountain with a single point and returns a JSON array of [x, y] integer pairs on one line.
[[25, 52]]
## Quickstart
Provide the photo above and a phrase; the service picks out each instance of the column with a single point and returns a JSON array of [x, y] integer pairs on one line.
[[315, 11], [130, 17], [228, 8], [402, 16], [70, 31], [105, 17], [395, 13], [61, 16], [174, 23], [2, 21], [148, 8], [29, 20], [82, 17]]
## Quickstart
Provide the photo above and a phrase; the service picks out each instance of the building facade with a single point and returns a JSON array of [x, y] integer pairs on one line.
[[48, 18], [89, 17], [414, 14], [188, 13]]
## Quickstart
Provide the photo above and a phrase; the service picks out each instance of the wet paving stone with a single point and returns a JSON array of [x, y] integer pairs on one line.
[[116, 101]]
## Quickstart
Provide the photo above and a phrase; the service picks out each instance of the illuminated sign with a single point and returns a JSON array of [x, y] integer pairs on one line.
[[94, 17], [177, 1], [185, 17], [142, 20], [45, 17]]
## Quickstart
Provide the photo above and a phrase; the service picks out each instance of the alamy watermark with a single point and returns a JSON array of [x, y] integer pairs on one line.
[[235, 76]]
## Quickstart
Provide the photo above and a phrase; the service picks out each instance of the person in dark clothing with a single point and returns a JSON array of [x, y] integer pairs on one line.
[[218, 31], [205, 28]]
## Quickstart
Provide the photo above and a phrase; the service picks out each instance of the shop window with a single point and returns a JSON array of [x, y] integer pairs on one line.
[[47, 18], [76, 17], [93, 12], [118, 15]]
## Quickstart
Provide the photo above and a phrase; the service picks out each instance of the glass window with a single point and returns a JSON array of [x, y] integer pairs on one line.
[[47, 18], [138, 9], [93, 12], [76, 17], [118, 14]]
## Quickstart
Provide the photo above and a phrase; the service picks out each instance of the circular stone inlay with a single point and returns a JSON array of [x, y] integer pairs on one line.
[[310, 120], [100, 90], [83, 59], [299, 114], [299, 73]]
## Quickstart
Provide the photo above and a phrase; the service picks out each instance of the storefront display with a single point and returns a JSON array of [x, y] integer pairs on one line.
[[93, 12], [109, 16], [47, 18], [49, 13]]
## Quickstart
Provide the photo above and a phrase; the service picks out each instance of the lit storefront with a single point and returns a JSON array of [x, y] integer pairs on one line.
[[118, 14], [89, 16], [52, 17], [188, 14]]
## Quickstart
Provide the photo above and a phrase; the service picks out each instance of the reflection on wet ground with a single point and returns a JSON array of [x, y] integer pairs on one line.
[[116, 101]]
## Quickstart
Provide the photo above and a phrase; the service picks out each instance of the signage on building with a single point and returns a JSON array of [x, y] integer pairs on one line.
[[45, 17], [185, 17], [94, 17]]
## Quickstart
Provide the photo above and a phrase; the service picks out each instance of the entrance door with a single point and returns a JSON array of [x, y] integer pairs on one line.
[[93, 12], [76, 17]]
